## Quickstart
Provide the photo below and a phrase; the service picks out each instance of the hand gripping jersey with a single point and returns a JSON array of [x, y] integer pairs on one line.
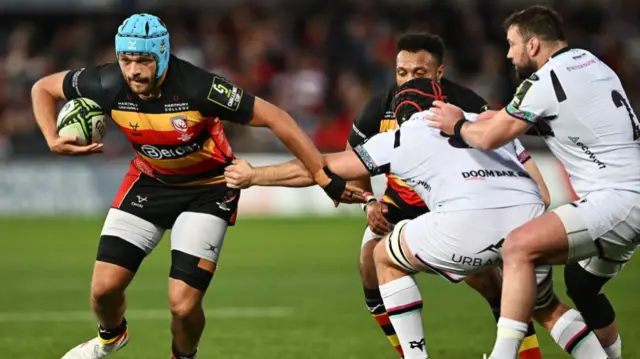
[[449, 178], [594, 131], [178, 138], [377, 117]]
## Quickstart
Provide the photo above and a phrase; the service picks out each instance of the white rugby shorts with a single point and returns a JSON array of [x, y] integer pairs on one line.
[[603, 229], [198, 234], [457, 244]]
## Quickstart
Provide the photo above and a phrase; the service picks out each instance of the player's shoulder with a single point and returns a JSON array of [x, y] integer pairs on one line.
[[184, 75], [378, 107], [102, 83], [383, 99], [462, 96], [192, 81]]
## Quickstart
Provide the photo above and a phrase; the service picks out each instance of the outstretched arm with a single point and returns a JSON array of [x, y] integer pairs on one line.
[[240, 174]]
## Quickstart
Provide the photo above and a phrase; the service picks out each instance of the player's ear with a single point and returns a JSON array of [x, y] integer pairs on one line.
[[533, 46], [439, 73]]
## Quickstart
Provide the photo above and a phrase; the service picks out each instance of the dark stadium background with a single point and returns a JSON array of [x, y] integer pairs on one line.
[[287, 286]]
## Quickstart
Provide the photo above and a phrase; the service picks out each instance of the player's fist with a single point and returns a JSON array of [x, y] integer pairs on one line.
[[376, 212], [239, 174], [67, 146]]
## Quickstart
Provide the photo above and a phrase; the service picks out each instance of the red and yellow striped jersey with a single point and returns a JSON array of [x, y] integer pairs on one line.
[[178, 138]]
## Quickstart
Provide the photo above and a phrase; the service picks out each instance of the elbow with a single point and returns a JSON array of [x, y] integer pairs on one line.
[[44, 86], [37, 87]]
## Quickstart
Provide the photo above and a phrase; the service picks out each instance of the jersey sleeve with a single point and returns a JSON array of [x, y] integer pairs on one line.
[[367, 123], [219, 97], [521, 152], [377, 152], [100, 84], [533, 101]]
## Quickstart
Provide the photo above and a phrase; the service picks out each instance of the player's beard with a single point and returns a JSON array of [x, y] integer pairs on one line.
[[527, 68], [149, 88]]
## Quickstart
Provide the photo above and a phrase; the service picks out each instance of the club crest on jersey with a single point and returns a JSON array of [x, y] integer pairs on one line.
[[181, 126]]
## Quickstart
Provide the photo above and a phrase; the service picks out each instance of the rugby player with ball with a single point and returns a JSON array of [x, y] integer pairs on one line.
[[171, 111]]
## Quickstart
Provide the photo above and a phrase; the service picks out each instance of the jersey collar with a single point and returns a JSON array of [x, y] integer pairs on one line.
[[561, 51]]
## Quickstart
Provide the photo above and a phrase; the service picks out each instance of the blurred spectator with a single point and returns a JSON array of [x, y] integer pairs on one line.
[[319, 60]]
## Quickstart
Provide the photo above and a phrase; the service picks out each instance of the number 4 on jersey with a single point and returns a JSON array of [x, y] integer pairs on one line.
[[620, 101]]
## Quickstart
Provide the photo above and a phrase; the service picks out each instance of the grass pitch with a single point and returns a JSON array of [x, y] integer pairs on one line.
[[285, 288]]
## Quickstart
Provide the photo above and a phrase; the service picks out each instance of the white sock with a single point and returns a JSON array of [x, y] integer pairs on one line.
[[402, 299], [510, 336], [614, 351], [573, 335]]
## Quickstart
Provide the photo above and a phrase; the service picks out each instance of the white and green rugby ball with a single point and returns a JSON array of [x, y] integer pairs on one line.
[[84, 119]]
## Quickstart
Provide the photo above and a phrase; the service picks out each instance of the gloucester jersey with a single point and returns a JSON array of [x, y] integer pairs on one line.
[[450, 178], [377, 117], [594, 131], [178, 138]]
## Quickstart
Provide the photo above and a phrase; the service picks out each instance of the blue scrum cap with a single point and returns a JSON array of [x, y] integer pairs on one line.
[[145, 34]]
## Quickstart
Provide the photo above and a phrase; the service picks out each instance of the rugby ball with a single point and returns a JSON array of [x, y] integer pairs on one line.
[[84, 119]]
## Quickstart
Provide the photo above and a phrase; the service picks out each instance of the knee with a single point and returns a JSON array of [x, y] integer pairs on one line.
[[367, 265], [183, 300], [380, 255], [108, 280], [517, 247]]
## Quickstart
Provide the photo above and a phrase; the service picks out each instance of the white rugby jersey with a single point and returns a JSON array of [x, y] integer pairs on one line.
[[448, 178], [595, 131]]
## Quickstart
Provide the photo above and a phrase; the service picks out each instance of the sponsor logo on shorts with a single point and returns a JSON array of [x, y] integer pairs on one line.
[[474, 261], [140, 201], [487, 173], [587, 151]]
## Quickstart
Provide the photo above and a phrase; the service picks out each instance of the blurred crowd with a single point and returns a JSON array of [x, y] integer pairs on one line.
[[319, 60]]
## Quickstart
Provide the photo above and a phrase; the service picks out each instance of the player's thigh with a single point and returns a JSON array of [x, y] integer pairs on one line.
[[604, 224], [605, 267], [125, 241], [196, 244], [198, 235], [367, 265]]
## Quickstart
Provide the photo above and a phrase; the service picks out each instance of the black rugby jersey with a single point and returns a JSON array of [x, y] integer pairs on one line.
[[377, 116]]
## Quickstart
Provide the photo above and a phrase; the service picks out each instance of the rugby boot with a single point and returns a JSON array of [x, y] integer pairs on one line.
[[96, 349]]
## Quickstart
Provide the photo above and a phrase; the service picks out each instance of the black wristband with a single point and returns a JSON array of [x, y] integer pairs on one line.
[[336, 186], [457, 128], [457, 132]]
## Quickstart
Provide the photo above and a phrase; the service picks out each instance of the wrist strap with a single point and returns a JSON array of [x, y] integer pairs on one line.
[[369, 198], [457, 128]]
